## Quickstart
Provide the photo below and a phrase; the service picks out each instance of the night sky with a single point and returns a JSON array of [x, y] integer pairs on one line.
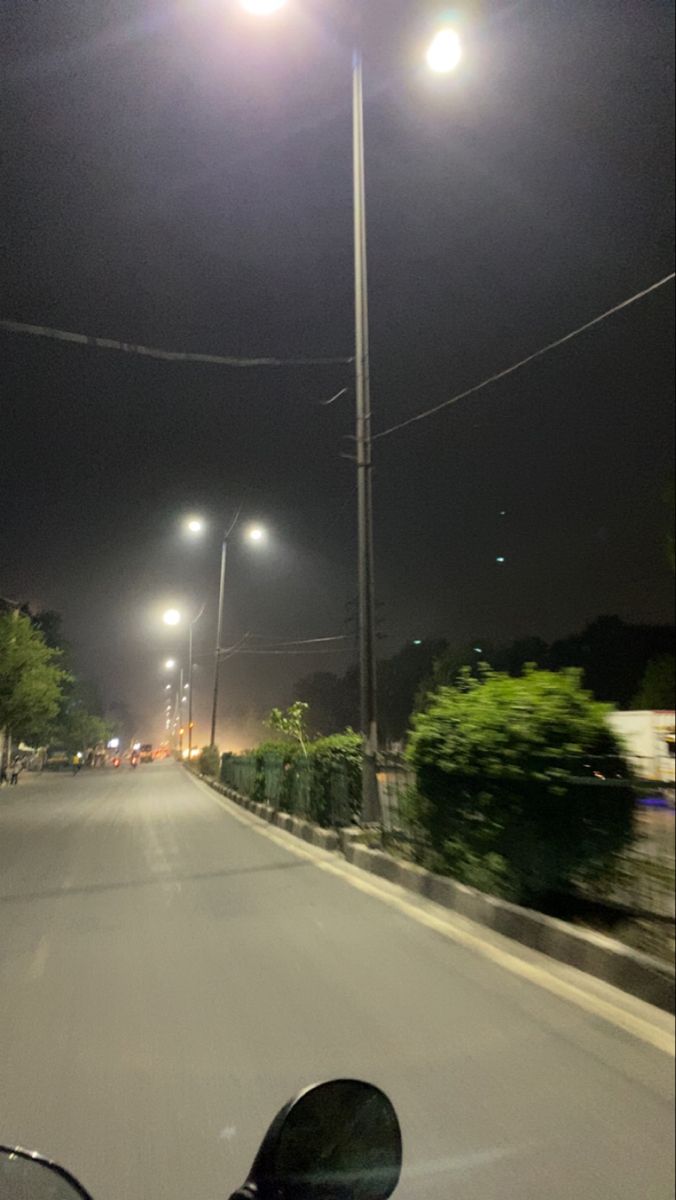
[[179, 174]]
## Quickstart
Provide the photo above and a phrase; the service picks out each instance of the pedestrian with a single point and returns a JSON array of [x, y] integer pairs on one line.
[[17, 768]]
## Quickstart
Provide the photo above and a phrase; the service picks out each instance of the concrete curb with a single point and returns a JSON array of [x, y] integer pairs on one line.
[[638, 974]]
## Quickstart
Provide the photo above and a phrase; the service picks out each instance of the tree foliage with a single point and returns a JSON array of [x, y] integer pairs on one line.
[[658, 684], [31, 677], [292, 723], [498, 763], [209, 762]]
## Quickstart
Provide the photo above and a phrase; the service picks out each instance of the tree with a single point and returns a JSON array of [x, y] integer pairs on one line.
[[210, 761], [292, 723], [324, 693], [399, 679], [658, 686], [31, 679], [500, 799], [613, 655], [78, 729]]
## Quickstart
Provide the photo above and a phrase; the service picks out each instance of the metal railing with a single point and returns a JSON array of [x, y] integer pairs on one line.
[[642, 880], [316, 791]]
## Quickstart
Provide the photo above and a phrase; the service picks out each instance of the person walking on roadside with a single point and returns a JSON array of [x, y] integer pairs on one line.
[[17, 768]]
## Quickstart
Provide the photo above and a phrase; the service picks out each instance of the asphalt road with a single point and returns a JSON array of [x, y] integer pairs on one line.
[[169, 976]]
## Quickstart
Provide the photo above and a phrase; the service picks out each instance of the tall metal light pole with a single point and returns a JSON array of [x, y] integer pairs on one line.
[[219, 637], [366, 572], [191, 626], [443, 56], [256, 535]]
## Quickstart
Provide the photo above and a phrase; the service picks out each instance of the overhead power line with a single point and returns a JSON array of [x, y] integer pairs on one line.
[[293, 653], [341, 637], [478, 387], [99, 343]]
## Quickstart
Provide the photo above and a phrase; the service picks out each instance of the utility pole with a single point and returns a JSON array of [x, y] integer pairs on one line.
[[191, 722], [190, 693], [367, 639], [219, 636]]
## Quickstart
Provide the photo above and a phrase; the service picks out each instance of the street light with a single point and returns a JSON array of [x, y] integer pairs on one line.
[[170, 665], [445, 52], [443, 55], [262, 8], [177, 619], [255, 534]]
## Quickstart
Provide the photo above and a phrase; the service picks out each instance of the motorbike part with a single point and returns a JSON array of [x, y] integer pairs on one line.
[[25, 1176], [338, 1141]]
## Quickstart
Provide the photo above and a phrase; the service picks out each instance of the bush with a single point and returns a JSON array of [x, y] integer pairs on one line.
[[209, 762], [498, 763], [320, 781], [336, 771]]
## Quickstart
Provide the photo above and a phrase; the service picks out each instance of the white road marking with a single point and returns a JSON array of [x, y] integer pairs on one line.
[[39, 960]]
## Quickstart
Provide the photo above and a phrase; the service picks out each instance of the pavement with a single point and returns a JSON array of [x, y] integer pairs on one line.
[[170, 973]]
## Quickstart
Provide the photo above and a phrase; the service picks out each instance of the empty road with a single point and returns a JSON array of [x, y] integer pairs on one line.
[[170, 975]]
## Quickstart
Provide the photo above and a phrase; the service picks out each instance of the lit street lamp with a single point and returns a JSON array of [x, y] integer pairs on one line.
[[257, 536], [443, 56], [262, 8], [174, 617], [445, 52]]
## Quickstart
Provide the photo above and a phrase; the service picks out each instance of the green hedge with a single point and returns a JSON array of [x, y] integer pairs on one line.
[[208, 761], [506, 795], [322, 784]]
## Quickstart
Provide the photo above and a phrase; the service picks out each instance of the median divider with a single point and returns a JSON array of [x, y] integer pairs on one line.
[[639, 974]]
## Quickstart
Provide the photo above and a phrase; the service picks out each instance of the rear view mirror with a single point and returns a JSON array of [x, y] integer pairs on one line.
[[25, 1176], [338, 1141]]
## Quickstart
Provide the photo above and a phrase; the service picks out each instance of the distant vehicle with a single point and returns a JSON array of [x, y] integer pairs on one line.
[[56, 758], [146, 753]]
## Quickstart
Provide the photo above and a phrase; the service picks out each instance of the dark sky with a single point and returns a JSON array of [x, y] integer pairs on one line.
[[178, 174]]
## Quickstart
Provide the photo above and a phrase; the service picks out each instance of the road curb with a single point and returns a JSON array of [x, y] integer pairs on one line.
[[631, 971]]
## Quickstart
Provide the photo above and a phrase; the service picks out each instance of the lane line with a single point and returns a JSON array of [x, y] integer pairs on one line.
[[660, 1039]]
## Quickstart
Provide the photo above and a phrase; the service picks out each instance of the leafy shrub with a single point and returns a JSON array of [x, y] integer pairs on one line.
[[500, 797], [209, 762], [336, 770], [320, 780]]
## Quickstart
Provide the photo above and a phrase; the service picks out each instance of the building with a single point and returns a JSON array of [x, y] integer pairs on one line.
[[649, 741]]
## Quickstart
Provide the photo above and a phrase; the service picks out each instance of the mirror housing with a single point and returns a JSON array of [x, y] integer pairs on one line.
[[25, 1174], [336, 1141]]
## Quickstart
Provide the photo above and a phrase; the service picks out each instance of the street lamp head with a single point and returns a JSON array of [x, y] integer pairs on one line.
[[195, 526], [170, 664], [256, 534], [262, 8], [445, 52], [172, 617]]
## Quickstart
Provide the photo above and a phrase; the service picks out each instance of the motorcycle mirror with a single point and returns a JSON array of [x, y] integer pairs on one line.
[[337, 1141], [25, 1176]]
